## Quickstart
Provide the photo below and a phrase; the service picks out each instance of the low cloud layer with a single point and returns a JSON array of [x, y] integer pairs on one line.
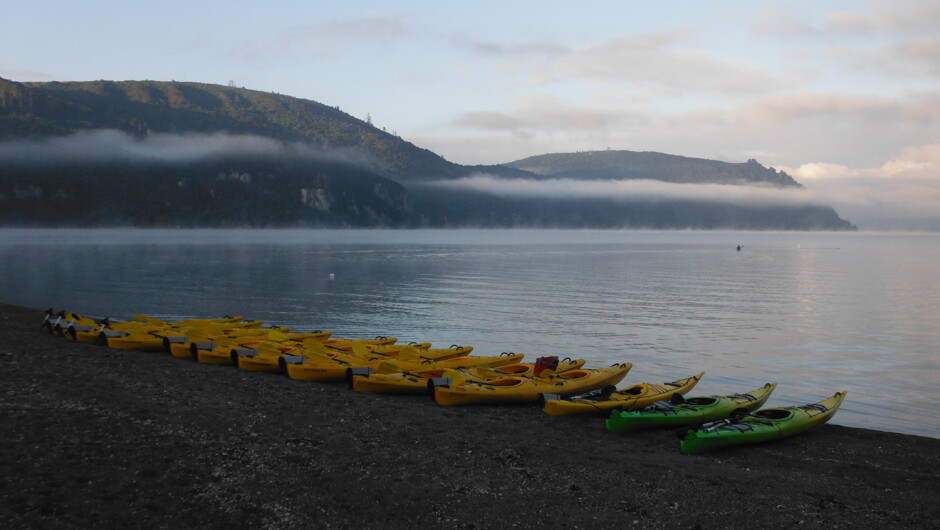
[[630, 190], [105, 145], [900, 194]]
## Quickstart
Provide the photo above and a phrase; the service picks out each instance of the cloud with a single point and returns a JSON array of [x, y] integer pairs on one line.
[[787, 129], [668, 62], [906, 17], [903, 192], [543, 47], [884, 18], [911, 58], [545, 114], [848, 23], [628, 190], [489, 120], [914, 57], [106, 145], [331, 38], [671, 61], [368, 27], [899, 38]]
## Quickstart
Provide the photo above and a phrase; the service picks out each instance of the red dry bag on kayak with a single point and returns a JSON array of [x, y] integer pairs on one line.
[[545, 363]]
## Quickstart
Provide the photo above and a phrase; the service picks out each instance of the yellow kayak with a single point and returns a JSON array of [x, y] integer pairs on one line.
[[212, 352], [634, 396], [174, 330], [57, 323], [394, 349], [254, 360], [327, 360], [348, 344], [93, 333], [394, 378], [193, 321], [106, 330], [202, 345], [337, 366], [207, 350], [395, 352], [522, 388], [77, 327], [85, 329], [133, 341]]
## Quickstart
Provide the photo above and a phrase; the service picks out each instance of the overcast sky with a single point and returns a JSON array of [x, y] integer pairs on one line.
[[844, 96]]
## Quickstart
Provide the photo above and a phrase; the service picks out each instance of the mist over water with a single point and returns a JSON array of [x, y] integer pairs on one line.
[[632, 190], [816, 312], [111, 145]]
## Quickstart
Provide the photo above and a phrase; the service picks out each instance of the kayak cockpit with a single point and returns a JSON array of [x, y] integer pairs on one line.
[[773, 414], [701, 401], [635, 390]]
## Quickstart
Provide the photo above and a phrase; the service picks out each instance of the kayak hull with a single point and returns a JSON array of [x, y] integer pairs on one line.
[[694, 410], [528, 389], [316, 371], [261, 362], [410, 381], [634, 396], [136, 342], [762, 426], [320, 369], [219, 355]]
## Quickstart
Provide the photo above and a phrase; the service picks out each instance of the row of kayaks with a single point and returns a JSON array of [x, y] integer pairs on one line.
[[454, 377]]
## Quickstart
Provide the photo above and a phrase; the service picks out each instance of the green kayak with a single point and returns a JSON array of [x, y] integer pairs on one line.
[[761, 426], [678, 411]]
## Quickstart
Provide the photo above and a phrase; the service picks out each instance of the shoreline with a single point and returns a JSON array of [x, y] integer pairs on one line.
[[100, 437]]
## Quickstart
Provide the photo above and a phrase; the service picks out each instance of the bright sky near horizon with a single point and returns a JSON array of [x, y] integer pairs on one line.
[[843, 95]]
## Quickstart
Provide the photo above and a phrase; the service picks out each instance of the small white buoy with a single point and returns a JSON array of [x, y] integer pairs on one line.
[[332, 276]]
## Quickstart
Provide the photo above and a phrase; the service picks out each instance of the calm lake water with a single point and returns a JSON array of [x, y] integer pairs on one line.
[[815, 312]]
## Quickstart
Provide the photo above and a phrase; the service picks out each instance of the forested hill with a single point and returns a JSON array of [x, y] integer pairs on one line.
[[142, 108], [603, 165], [146, 107], [327, 169]]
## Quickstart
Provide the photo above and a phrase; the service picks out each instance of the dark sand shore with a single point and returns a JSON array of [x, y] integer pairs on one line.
[[94, 437]]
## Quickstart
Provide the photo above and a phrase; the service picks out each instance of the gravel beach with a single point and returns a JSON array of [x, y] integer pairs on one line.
[[95, 437]]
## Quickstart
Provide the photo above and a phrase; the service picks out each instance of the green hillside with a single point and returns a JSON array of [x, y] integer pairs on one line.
[[147, 107], [649, 165]]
